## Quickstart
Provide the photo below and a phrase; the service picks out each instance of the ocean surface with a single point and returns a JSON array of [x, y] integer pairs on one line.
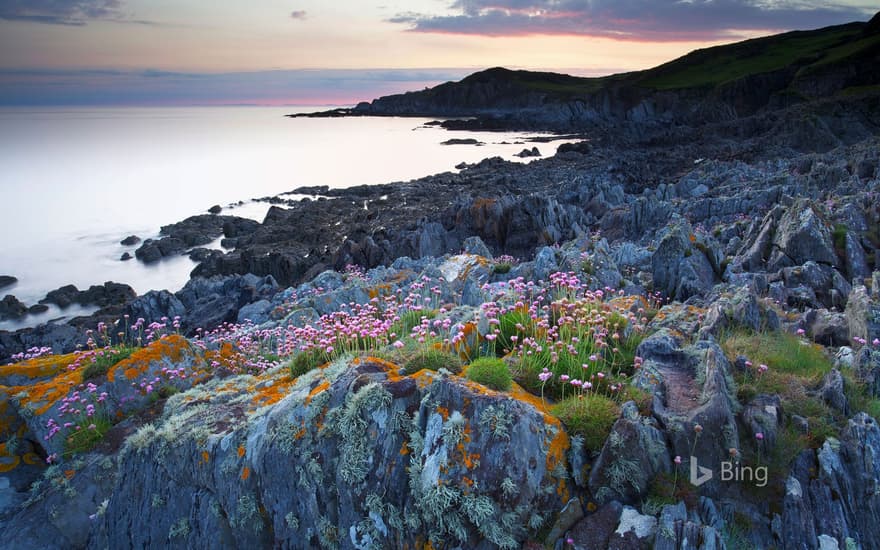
[[75, 181]]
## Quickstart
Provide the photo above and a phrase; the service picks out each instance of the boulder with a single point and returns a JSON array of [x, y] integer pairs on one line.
[[7, 280], [131, 240], [12, 308], [680, 269]]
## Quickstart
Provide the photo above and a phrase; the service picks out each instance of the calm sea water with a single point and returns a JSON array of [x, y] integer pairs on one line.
[[74, 182]]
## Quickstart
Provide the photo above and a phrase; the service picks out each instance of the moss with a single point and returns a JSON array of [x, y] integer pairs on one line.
[[491, 372], [590, 416], [434, 360], [501, 268]]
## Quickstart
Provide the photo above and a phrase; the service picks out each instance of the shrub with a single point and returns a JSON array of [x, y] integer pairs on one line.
[[104, 359], [433, 359], [501, 268], [491, 372], [590, 416], [305, 361]]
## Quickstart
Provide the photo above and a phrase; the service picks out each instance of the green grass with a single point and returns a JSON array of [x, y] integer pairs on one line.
[[105, 359], [305, 361], [433, 359], [410, 319], [490, 372], [85, 439], [590, 416], [713, 66], [781, 352]]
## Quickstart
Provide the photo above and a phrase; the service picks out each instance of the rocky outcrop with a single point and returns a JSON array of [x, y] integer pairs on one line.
[[108, 294]]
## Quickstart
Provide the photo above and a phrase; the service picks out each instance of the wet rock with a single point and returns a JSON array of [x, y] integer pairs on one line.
[[37, 309], [12, 308], [107, 294], [131, 240], [153, 306], [7, 280], [216, 209], [125, 257], [528, 153]]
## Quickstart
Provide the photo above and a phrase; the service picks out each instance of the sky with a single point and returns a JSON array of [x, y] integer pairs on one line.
[[317, 52]]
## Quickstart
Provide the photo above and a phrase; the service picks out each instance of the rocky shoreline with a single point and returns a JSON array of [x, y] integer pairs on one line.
[[511, 356]]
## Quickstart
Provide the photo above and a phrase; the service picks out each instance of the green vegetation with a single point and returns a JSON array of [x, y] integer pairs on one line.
[[590, 416], [490, 372], [104, 359], [88, 435], [713, 66], [305, 361], [410, 319], [839, 236], [433, 359]]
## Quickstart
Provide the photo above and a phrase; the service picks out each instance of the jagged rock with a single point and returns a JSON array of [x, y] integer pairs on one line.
[[153, 306], [833, 491], [476, 246], [763, 414], [760, 248], [211, 302], [527, 153], [675, 531], [742, 310], [857, 269], [224, 472], [867, 367], [832, 391], [680, 270], [11, 308], [802, 236], [824, 282], [634, 453], [862, 316]]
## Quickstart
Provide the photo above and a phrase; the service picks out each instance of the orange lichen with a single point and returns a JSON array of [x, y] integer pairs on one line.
[[48, 365], [591, 506], [323, 386], [404, 449], [32, 459], [42, 395], [241, 451], [269, 394], [7, 462], [69, 474], [171, 347], [556, 449], [245, 473], [205, 457], [444, 412]]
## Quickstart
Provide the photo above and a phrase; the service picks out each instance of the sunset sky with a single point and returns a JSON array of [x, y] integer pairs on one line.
[[340, 52]]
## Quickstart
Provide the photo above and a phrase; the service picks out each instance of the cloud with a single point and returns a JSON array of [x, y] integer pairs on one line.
[[636, 20], [299, 14], [60, 12]]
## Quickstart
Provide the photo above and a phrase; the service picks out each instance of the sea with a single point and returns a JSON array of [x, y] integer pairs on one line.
[[76, 181]]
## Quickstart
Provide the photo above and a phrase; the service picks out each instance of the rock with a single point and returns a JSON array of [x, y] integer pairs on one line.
[[832, 491], [12, 308], [830, 328], [742, 310], [476, 246], [675, 531], [571, 513], [200, 254], [37, 309], [634, 453], [131, 240], [256, 312], [811, 279], [595, 531], [462, 141], [844, 358], [802, 236], [833, 392], [631, 521], [7, 280], [527, 153], [125, 257], [862, 316], [763, 414], [210, 302], [216, 209], [855, 261], [153, 306], [62, 297], [679, 270]]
